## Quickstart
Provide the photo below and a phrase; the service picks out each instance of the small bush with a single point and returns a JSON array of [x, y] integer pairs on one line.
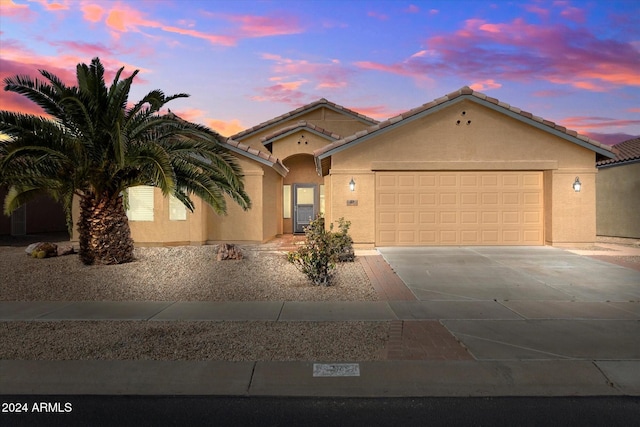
[[323, 248]]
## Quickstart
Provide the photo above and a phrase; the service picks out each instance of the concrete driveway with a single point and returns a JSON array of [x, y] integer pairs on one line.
[[524, 303]]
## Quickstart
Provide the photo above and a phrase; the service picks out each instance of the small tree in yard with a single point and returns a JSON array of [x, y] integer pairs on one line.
[[318, 256]]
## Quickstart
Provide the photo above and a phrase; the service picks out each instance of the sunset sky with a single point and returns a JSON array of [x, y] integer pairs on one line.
[[243, 62]]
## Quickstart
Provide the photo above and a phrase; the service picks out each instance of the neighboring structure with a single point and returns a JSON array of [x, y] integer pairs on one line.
[[618, 189], [41, 215], [465, 169]]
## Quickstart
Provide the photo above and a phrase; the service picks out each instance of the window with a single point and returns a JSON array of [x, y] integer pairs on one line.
[[286, 201], [140, 203], [177, 211], [322, 199]]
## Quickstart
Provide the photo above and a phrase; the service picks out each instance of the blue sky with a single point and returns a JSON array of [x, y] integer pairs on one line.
[[576, 63]]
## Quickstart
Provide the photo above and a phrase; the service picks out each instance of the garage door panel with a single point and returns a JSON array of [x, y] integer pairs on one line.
[[459, 208], [428, 237], [407, 199]]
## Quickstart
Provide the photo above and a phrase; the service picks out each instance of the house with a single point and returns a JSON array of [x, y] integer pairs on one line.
[[464, 169], [40, 215], [618, 192]]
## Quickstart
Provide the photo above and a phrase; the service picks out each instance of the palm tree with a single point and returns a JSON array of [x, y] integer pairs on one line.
[[96, 145]]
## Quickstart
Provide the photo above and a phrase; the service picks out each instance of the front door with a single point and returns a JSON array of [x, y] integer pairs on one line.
[[304, 206]]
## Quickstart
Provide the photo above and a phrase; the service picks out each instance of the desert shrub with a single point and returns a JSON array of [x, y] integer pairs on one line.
[[343, 242], [318, 256]]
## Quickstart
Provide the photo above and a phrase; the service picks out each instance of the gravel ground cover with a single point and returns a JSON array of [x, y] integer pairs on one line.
[[231, 341], [188, 273], [184, 273]]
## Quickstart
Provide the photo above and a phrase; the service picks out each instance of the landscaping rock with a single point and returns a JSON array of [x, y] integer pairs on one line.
[[229, 251], [42, 250], [66, 250]]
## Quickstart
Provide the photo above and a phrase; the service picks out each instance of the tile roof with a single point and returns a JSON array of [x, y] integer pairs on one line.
[[468, 93], [299, 111], [626, 152], [245, 150], [260, 156], [302, 124]]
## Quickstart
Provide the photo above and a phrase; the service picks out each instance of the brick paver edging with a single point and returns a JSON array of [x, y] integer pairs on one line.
[[384, 280]]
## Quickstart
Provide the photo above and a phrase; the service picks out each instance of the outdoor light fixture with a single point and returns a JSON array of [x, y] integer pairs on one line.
[[352, 184], [577, 185]]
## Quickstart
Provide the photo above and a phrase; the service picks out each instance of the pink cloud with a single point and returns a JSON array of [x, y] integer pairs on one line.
[[328, 75], [633, 110], [541, 12], [434, 12], [609, 138], [412, 9], [27, 66], [377, 15], [574, 14], [581, 123], [190, 114], [17, 11], [282, 93], [53, 5], [92, 12], [485, 85], [122, 18], [253, 26], [89, 50], [226, 128], [517, 50], [379, 112], [18, 60]]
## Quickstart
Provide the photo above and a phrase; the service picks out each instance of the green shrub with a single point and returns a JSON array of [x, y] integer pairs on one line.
[[343, 242], [322, 249]]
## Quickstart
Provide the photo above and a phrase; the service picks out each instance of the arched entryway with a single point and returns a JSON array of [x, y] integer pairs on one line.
[[303, 193]]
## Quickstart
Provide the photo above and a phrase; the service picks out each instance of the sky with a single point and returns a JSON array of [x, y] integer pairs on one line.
[[244, 62]]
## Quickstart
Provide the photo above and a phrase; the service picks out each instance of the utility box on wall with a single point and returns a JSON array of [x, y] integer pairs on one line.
[[352, 203]]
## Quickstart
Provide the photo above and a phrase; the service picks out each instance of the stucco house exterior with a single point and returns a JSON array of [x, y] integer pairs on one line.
[[618, 192], [464, 169], [41, 215]]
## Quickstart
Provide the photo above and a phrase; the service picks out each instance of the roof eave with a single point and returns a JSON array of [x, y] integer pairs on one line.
[[240, 136], [277, 165], [620, 163]]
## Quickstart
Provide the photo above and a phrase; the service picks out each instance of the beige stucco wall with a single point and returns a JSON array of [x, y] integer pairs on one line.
[[300, 142], [491, 141], [618, 201], [163, 231], [272, 204], [239, 225]]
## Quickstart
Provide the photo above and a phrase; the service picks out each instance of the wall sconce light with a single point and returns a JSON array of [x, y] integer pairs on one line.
[[577, 185], [352, 184]]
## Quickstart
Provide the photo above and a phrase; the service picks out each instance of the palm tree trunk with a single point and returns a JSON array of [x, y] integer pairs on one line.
[[104, 233]]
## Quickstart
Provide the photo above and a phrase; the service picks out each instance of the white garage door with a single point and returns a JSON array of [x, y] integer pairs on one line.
[[459, 208]]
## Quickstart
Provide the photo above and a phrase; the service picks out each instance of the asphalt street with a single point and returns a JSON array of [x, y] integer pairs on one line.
[[287, 411]]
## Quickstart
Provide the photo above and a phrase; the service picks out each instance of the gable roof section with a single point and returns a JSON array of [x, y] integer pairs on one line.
[[465, 93], [321, 103], [301, 125], [627, 152], [257, 155]]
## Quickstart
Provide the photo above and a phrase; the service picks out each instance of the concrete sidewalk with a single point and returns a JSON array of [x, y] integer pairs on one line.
[[531, 321]]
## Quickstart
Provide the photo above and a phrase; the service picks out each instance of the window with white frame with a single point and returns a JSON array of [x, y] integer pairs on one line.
[[140, 203]]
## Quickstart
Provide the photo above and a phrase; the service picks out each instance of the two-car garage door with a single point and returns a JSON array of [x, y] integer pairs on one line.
[[459, 208]]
